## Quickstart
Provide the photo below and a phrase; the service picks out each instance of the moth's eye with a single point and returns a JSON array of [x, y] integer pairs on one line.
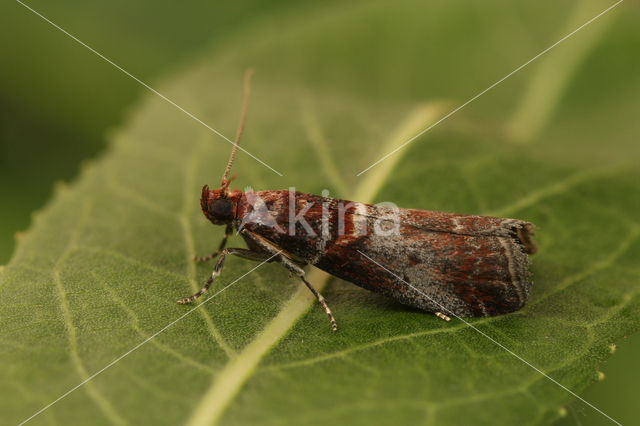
[[222, 209]]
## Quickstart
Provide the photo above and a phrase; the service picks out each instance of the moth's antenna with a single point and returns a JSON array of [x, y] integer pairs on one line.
[[243, 119]]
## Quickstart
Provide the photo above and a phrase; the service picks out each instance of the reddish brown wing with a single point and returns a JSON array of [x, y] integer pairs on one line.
[[470, 265]]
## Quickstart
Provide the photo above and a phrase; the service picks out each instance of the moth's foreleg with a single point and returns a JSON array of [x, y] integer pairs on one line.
[[293, 267], [240, 252], [223, 243]]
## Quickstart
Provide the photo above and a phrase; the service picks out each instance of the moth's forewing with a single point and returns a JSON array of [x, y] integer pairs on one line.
[[470, 265]]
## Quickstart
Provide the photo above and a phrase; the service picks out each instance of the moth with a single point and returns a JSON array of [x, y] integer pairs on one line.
[[444, 263]]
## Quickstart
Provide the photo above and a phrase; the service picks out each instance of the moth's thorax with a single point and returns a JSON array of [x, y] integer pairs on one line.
[[221, 206]]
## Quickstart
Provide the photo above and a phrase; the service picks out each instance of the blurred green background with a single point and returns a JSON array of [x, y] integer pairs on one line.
[[60, 101]]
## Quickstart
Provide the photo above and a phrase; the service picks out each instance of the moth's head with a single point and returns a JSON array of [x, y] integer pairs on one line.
[[220, 206]]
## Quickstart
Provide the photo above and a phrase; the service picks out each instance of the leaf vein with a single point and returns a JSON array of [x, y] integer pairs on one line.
[[557, 188], [135, 322], [103, 404]]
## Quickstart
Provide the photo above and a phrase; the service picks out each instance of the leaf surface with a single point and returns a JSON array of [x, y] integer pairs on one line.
[[102, 266]]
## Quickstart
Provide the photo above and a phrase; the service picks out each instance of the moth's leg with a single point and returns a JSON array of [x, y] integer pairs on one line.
[[223, 243], [291, 266], [240, 252], [442, 316], [301, 274]]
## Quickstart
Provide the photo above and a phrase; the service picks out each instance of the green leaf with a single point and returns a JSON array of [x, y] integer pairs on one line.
[[103, 264]]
